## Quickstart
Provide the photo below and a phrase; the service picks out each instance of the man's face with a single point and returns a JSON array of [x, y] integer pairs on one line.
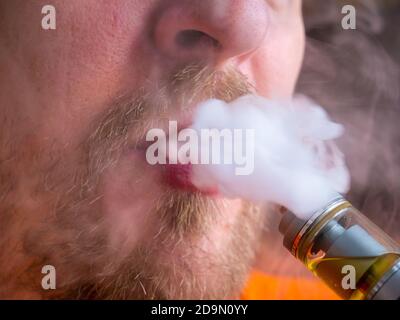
[[75, 104]]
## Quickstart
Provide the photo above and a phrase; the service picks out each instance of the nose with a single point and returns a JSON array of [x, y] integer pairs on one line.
[[210, 30]]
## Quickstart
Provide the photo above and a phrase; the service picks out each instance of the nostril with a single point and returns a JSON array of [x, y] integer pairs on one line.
[[189, 39], [208, 30]]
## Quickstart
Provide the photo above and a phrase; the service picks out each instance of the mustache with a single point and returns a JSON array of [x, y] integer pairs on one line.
[[133, 114], [125, 123]]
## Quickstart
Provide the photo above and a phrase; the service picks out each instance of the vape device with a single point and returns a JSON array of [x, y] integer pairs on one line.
[[347, 251]]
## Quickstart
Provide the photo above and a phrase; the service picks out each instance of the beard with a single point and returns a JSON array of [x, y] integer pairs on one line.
[[62, 223]]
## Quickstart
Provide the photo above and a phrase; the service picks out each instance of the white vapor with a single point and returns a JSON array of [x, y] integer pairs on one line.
[[296, 163]]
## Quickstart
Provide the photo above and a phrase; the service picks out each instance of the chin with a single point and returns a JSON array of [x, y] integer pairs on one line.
[[183, 243]]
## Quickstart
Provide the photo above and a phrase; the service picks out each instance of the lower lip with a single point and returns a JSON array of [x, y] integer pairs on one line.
[[178, 176]]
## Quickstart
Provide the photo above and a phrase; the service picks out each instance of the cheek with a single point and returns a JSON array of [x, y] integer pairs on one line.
[[69, 75], [274, 68]]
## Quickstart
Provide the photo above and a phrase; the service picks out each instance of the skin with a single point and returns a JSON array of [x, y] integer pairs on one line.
[[57, 85]]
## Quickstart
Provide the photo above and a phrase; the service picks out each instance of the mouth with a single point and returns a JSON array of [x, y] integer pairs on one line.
[[177, 176]]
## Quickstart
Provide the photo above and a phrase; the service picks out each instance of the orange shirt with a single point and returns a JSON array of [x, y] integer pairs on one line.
[[261, 286]]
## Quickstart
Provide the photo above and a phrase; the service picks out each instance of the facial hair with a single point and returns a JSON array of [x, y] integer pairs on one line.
[[66, 226]]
